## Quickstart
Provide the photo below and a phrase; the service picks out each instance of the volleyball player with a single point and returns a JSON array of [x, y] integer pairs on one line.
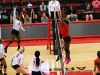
[[17, 62], [65, 35], [15, 31], [2, 59], [97, 63], [36, 64]]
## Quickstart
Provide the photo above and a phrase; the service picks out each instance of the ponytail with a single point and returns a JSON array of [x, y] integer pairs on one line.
[[37, 61], [37, 54]]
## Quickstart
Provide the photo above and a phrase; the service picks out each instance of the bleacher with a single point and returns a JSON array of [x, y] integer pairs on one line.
[[64, 3]]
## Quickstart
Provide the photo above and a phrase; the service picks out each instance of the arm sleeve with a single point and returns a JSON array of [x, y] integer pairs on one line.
[[22, 28]]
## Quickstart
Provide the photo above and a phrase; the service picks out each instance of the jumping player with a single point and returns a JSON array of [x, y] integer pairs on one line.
[[15, 31], [65, 35], [2, 59], [36, 67], [97, 63], [17, 62]]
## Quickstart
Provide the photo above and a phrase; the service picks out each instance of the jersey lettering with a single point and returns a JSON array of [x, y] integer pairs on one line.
[[17, 55]]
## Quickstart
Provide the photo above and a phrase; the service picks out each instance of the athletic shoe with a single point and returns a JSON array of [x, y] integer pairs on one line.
[[68, 60], [18, 48], [5, 50]]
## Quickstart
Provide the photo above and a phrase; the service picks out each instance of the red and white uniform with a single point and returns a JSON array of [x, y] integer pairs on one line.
[[34, 67], [17, 59], [1, 51], [17, 25]]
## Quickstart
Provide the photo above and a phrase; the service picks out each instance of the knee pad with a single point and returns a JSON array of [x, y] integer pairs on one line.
[[5, 66], [67, 50], [1, 64], [18, 41], [11, 42]]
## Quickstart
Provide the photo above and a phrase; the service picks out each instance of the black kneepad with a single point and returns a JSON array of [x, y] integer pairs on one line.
[[5, 66], [68, 51], [18, 41]]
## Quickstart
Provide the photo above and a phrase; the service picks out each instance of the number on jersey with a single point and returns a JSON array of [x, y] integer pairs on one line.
[[17, 55]]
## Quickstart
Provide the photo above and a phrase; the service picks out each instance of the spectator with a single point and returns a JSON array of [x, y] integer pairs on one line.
[[44, 18], [97, 63], [27, 19], [23, 13], [88, 12], [32, 13], [42, 7], [71, 11], [36, 19], [73, 18], [5, 17], [96, 4]]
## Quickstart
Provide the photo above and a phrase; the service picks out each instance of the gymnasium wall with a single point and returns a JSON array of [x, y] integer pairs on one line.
[[77, 29]]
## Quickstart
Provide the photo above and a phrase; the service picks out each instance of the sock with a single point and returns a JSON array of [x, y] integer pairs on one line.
[[17, 73]]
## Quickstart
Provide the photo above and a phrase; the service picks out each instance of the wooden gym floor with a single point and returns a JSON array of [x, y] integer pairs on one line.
[[81, 55]]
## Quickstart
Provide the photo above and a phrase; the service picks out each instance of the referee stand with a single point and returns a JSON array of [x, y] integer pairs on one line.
[[49, 36]]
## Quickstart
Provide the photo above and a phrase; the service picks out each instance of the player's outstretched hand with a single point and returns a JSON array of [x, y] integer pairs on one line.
[[25, 31]]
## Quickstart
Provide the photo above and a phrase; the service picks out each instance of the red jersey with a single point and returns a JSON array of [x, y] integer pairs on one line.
[[97, 63], [65, 31]]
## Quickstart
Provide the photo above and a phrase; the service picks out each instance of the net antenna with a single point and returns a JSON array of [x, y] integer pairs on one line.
[[58, 43]]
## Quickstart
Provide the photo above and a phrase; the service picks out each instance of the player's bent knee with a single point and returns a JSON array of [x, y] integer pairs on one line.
[[5, 66]]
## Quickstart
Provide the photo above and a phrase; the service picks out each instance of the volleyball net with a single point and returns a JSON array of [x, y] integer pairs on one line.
[[57, 43]]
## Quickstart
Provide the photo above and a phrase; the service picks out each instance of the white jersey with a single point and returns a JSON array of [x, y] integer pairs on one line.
[[1, 51], [17, 25], [53, 6], [34, 67], [17, 58]]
